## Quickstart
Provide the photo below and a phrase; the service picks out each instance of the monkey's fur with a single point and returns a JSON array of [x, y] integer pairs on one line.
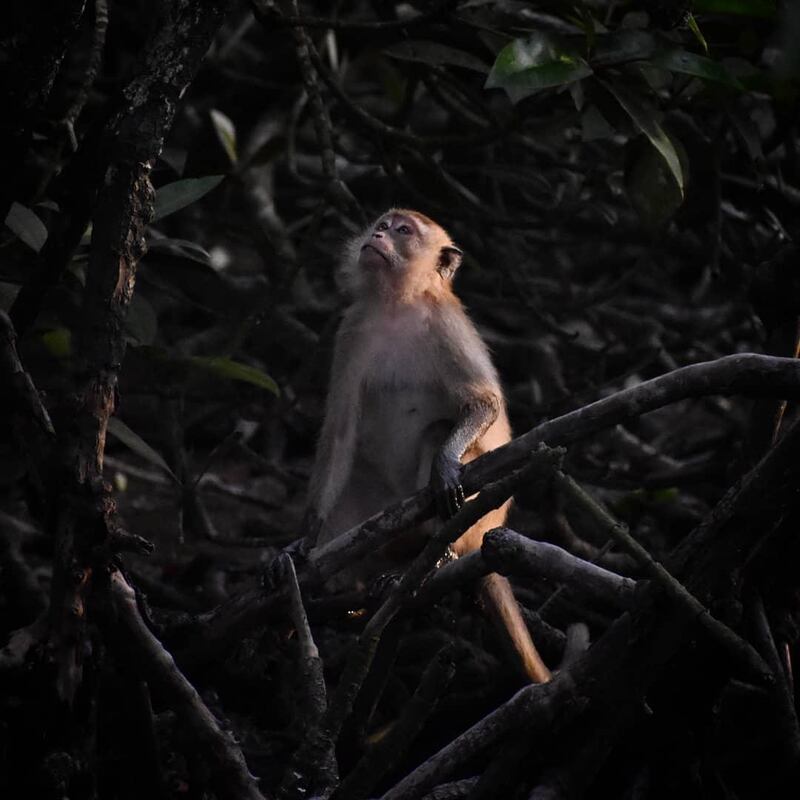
[[413, 395]]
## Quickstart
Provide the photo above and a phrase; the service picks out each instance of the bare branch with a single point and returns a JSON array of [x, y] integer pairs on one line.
[[230, 777], [747, 374], [509, 553]]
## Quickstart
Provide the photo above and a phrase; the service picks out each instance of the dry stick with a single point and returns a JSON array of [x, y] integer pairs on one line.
[[23, 390], [741, 650], [216, 631], [534, 707], [510, 553], [453, 575], [779, 414], [541, 466], [381, 129], [266, 15], [95, 59], [337, 189], [747, 374], [789, 728], [230, 777], [317, 772], [385, 755]]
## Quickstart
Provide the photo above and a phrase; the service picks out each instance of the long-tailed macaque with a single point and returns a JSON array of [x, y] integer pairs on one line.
[[413, 395]]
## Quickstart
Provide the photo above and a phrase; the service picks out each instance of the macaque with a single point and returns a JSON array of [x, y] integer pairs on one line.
[[413, 396]]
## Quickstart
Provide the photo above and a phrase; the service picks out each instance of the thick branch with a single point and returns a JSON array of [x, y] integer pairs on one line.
[[746, 374], [509, 553]]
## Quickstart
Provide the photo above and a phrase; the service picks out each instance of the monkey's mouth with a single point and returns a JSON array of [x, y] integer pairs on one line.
[[375, 250]]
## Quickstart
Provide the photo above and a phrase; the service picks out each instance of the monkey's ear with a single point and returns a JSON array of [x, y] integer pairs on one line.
[[449, 260]]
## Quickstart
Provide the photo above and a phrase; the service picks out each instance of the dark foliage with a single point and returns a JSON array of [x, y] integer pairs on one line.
[[179, 177]]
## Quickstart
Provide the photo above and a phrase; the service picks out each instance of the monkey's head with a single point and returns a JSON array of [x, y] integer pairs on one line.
[[403, 252]]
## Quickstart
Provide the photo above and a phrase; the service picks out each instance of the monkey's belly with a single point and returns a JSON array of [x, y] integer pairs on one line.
[[399, 432]]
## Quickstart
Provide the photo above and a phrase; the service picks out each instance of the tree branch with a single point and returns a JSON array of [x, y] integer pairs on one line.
[[746, 374], [229, 774]]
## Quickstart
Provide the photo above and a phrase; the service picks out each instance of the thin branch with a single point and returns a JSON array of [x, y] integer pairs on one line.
[[269, 16], [229, 774], [386, 754], [89, 75], [741, 650], [311, 771]]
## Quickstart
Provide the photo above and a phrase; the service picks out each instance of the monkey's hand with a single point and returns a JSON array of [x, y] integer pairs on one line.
[[448, 493]]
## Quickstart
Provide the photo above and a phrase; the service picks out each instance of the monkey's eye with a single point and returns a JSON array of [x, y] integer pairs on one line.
[[404, 229], [382, 226]]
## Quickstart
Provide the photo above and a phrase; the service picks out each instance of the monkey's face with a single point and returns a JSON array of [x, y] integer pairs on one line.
[[392, 244], [406, 253]]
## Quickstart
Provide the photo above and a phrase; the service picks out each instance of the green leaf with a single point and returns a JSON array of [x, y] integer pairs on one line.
[[58, 342], [526, 66], [235, 370], [27, 226], [650, 184], [226, 133], [644, 119], [747, 8], [698, 34], [178, 195], [119, 430], [434, 54], [698, 66]]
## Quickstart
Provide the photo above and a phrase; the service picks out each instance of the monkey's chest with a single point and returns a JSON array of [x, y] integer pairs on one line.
[[404, 407]]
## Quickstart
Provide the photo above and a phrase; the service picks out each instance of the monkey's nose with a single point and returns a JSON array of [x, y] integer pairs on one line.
[[377, 235]]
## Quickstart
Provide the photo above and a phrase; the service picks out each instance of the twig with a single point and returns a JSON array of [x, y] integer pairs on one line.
[[785, 711], [740, 649], [215, 632], [26, 397], [308, 771], [534, 707], [386, 754], [229, 774], [269, 16], [453, 575], [95, 59]]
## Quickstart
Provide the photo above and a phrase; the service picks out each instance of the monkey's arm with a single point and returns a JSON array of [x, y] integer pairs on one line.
[[337, 442], [476, 415]]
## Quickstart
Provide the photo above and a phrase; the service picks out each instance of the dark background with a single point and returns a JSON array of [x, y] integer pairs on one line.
[[624, 179]]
